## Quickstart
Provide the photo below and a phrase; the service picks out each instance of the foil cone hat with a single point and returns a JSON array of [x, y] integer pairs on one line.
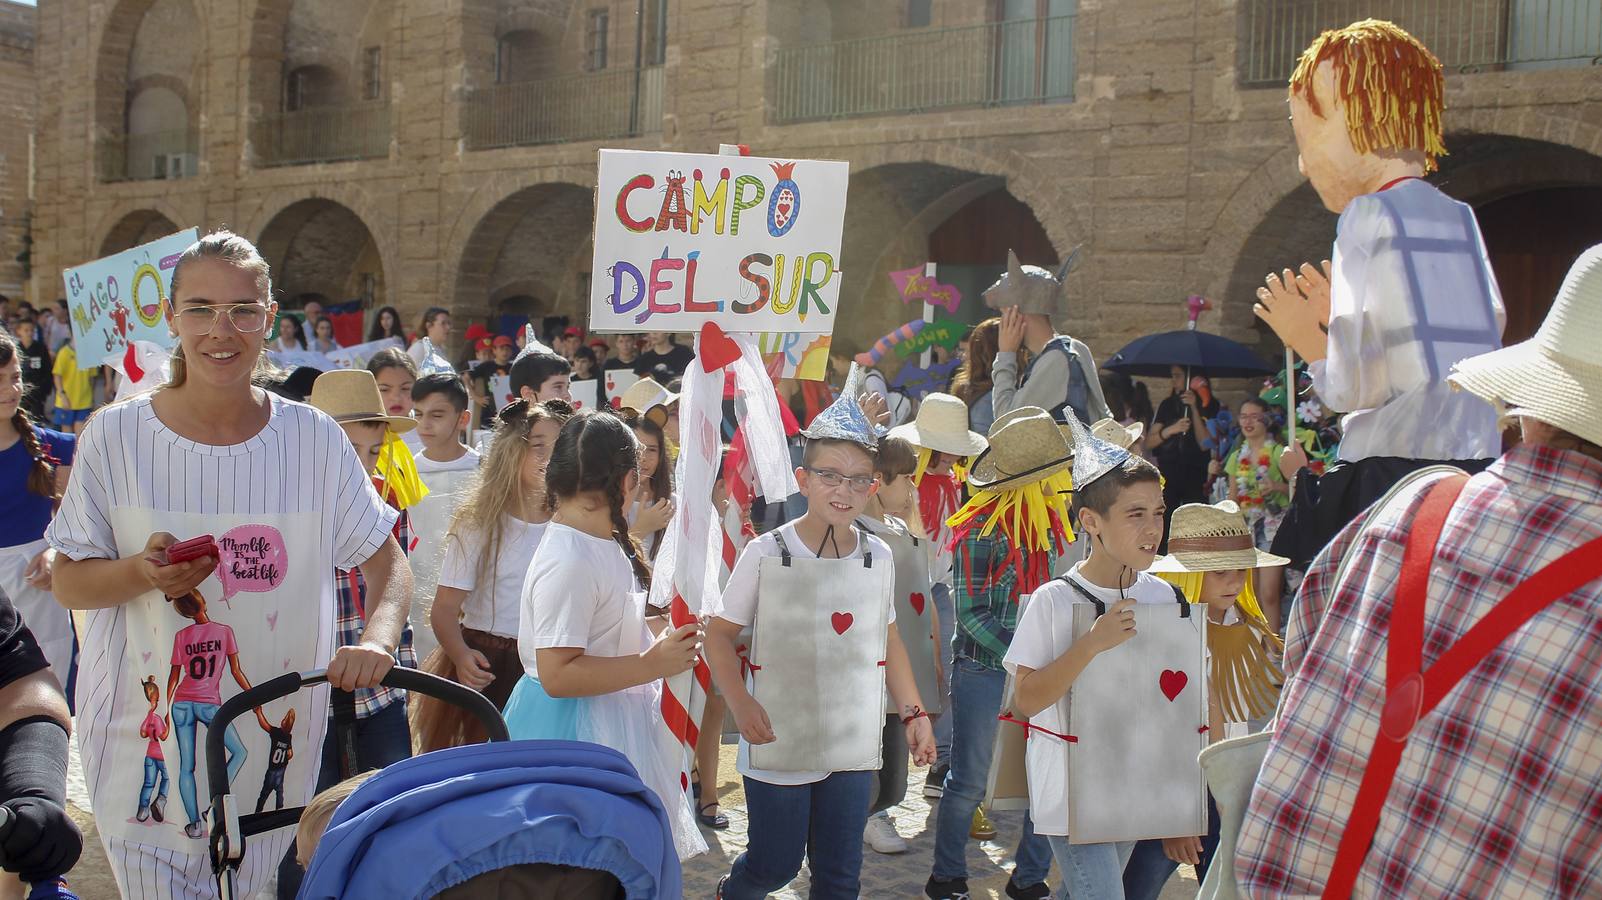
[[1093, 457], [844, 420], [532, 344]]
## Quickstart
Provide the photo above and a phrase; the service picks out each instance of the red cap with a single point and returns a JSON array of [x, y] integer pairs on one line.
[[502, 340], [572, 331], [476, 331], [484, 344], [598, 343]]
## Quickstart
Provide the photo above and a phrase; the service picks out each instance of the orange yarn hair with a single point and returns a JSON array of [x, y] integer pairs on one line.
[[1392, 86]]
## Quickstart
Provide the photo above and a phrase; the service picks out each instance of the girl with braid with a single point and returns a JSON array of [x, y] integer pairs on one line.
[[592, 670], [34, 463]]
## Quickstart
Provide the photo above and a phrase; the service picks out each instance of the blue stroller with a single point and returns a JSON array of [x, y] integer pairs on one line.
[[558, 819]]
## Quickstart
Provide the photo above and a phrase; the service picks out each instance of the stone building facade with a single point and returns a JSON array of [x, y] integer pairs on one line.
[[17, 97], [423, 152]]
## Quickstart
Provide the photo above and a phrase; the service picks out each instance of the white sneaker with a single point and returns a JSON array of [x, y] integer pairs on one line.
[[882, 837]]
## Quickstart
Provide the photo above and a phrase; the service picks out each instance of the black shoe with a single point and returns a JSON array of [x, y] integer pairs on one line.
[[1033, 892], [946, 888], [935, 785]]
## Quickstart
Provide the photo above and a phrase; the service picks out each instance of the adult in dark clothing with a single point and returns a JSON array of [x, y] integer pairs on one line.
[[663, 352], [1176, 442], [34, 357]]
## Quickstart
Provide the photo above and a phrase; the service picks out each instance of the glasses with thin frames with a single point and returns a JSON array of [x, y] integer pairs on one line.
[[247, 318], [830, 478]]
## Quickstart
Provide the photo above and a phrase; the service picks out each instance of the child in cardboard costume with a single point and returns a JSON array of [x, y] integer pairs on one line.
[[817, 594], [1062, 373], [1409, 290]]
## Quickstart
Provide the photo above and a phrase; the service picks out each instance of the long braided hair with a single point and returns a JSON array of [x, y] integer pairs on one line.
[[42, 474], [594, 453]]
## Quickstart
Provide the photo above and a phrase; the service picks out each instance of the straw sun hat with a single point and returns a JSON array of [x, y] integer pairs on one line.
[[351, 395], [1118, 435], [1555, 376], [644, 394], [1215, 538], [942, 426], [1025, 446]]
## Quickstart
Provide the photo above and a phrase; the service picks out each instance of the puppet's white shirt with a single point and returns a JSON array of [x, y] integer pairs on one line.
[[1412, 294]]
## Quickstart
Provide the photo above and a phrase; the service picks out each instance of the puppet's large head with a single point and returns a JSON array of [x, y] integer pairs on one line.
[[1361, 96]]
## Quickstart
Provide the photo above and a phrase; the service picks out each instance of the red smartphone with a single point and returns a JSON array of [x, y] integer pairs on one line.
[[194, 548]]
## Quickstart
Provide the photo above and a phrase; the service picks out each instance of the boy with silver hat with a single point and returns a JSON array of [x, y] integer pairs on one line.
[[1062, 374]]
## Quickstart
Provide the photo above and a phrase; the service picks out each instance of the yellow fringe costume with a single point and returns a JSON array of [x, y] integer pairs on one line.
[[1243, 674]]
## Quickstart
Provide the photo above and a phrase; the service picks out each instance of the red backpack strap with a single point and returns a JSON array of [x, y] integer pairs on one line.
[[1412, 692]]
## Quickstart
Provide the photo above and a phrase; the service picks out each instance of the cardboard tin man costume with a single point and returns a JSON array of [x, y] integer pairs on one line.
[[1409, 290], [1137, 712], [819, 636]]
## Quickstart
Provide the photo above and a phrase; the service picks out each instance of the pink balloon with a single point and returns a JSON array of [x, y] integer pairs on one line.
[[252, 559]]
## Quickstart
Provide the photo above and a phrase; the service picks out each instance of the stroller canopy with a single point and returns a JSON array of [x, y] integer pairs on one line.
[[434, 821]]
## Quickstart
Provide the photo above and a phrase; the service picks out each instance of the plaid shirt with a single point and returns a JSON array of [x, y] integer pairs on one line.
[[986, 596], [351, 593], [1497, 794]]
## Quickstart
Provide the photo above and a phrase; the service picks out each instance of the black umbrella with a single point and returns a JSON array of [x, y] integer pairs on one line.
[[1217, 356]]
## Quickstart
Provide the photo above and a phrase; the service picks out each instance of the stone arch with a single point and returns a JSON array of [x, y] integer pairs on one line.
[[318, 245], [532, 241], [114, 49], [135, 227]]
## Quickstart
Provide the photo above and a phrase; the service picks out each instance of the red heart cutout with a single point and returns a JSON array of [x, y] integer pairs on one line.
[[917, 603], [1172, 683], [840, 621], [717, 349]]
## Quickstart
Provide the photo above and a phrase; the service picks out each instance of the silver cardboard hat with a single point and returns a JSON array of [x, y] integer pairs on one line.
[[1093, 457], [1031, 288], [844, 420], [532, 344]]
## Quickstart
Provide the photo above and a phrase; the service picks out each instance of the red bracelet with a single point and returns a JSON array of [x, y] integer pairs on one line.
[[917, 713]]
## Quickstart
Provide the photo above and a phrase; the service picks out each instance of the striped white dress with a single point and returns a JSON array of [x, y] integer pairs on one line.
[[273, 589]]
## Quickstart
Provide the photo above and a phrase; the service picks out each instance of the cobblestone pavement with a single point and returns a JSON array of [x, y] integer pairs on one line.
[[898, 876]]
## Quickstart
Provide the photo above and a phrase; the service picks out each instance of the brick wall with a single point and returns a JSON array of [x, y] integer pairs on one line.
[[17, 104]]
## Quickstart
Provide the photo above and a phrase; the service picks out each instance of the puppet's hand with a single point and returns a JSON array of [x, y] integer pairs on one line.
[[1296, 306]]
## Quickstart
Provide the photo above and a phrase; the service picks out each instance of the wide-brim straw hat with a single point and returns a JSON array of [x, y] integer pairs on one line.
[[1216, 538], [645, 394], [1555, 376], [942, 426], [351, 395], [1026, 446], [1118, 435]]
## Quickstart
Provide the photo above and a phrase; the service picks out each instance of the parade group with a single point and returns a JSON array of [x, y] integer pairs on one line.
[[1173, 635]]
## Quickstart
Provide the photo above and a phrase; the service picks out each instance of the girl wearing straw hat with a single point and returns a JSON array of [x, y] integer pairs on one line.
[[1211, 559]]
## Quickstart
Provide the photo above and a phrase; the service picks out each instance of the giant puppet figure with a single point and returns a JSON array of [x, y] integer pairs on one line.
[[1408, 291]]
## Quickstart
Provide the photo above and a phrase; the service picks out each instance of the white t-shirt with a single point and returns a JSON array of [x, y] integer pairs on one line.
[[467, 462], [738, 604], [580, 592], [133, 475], [1045, 633], [496, 610]]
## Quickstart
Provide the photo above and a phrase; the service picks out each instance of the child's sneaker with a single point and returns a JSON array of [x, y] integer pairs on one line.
[[1033, 892], [934, 786], [982, 829], [946, 889], [195, 830], [158, 808], [143, 815], [881, 835]]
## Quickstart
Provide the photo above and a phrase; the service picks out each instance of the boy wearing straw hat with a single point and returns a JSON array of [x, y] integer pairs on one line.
[[1007, 538], [1410, 291], [1118, 502], [1386, 777], [941, 436], [352, 399]]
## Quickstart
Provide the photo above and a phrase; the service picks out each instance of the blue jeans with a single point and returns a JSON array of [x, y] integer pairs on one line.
[[947, 612], [1094, 871], [1149, 868], [822, 821], [975, 702], [381, 739], [185, 714], [155, 774]]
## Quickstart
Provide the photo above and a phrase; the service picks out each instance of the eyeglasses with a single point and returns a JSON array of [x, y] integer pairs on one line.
[[830, 478], [247, 318], [1250, 417]]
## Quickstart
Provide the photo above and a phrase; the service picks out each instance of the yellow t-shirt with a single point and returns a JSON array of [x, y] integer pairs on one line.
[[77, 390]]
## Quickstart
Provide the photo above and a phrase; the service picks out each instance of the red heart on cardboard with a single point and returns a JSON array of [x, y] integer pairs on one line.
[[917, 603], [1172, 683], [840, 621], [717, 349]]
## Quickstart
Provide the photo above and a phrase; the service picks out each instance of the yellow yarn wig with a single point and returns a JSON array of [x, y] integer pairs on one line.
[[1034, 519]]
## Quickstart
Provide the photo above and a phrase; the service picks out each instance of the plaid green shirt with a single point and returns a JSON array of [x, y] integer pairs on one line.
[[986, 596]]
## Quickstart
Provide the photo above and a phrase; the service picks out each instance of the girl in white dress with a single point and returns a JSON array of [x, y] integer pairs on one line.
[[592, 671]]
